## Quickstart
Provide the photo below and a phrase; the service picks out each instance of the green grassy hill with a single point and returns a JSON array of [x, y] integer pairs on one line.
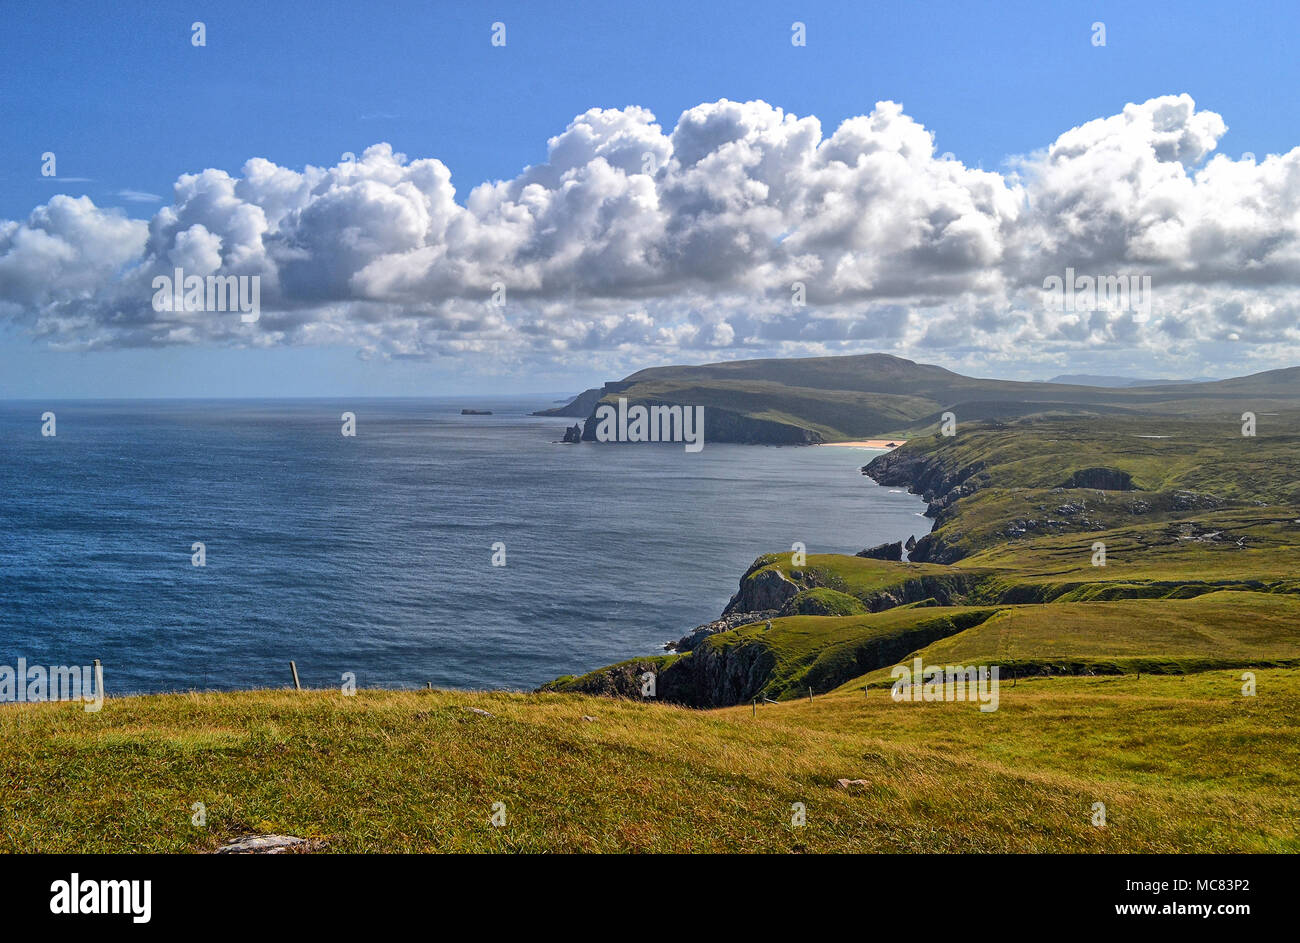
[[1218, 630], [823, 399], [1181, 764]]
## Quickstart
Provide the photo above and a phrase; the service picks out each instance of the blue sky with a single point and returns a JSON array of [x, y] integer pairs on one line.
[[128, 105]]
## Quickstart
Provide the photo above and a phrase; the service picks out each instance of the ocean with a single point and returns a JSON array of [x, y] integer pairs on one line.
[[373, 554]]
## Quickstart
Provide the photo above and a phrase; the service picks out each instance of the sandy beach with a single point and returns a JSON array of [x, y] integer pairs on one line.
[[869, 444]]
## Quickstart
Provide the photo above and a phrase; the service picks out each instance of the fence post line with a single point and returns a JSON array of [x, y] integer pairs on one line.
[[297, 686], [99, 677]]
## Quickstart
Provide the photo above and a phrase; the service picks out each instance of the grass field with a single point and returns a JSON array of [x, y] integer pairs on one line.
[[1181, 764], [1217, 630]]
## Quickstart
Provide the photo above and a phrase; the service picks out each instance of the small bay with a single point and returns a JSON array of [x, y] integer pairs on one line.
[[373, 554]]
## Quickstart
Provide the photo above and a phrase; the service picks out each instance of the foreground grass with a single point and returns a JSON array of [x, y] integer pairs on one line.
[[1182, 764]]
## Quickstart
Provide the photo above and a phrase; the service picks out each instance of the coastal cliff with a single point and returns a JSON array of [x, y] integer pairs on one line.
[[723, 425], [940, 482], [731, 660], [738, 657], [580, 407], [1059, 545]]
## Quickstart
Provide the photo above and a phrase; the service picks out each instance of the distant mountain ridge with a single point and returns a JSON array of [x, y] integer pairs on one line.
[[1088, 379], [825, 399]]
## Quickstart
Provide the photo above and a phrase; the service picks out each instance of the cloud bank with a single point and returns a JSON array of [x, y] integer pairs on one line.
[[741, 231]]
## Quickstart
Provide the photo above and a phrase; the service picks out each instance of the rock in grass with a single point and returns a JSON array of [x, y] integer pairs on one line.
[[479, 710], [264, 845], [849, 783]]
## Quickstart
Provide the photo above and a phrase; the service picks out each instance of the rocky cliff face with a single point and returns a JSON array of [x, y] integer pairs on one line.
[[925, 475], [1100, 479], [939, 485], [708, 677], [726, 623], [579, 407], [769, 590], [720, 676]]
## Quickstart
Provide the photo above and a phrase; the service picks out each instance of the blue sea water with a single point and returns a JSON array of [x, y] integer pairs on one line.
[[373, 554]]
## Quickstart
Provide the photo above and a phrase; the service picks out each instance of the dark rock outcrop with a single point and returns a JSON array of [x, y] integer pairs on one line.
[[626, 680], [932, 549], [710, 676], [573, 434], [886, 551], [1100, 479], [766, 591], [720, 675]]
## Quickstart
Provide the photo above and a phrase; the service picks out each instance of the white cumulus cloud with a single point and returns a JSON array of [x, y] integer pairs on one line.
[[742, 230]]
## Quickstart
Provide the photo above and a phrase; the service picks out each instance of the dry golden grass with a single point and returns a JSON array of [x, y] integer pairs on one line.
[[1182, 764]]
